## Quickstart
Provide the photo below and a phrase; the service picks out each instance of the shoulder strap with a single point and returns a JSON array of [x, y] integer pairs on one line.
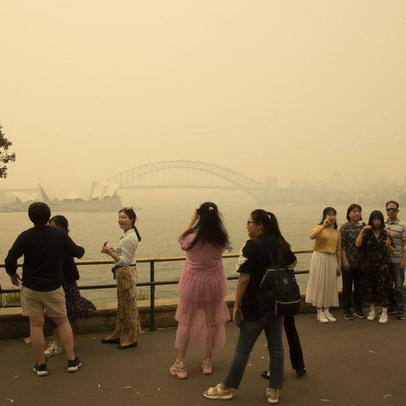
[[279, 258]]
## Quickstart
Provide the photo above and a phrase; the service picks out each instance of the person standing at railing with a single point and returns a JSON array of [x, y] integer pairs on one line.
[[325, 266], [397, 230], [127, 319], [351, 261], [202, 311], [43, 248], [265, 248], [376, 281], [76, 305]]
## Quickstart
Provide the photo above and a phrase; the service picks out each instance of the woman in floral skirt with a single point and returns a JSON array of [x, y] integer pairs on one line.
[[376, 284]]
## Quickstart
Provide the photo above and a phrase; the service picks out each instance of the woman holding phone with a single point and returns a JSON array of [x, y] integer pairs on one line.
[[265, 248], [127, 319], [325, 266], [376, 282]]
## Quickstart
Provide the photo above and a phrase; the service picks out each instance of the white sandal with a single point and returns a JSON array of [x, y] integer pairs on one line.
[[218, 392], [273, 396]]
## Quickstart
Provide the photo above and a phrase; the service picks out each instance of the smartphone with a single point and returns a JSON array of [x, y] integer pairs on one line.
[[105, 243], [238, 318]]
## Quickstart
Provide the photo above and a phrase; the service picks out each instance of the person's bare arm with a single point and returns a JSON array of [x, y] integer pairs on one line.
[[190, 225]]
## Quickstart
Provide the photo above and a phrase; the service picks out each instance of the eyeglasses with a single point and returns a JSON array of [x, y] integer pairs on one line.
[[249, 222], [392, 209]]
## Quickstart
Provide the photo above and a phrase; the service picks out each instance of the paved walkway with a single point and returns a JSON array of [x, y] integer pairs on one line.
[[349, 363]]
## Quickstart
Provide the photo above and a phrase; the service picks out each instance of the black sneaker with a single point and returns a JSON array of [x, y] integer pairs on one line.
[[400, 317], [391, 311], [360, 314], [348, 316], [40, 370], [73, 366], [300, 372]]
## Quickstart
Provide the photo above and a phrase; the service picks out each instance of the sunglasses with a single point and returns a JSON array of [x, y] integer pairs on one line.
[[392, 209]]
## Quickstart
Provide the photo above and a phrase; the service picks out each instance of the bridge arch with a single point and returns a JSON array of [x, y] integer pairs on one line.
[[239, 181]]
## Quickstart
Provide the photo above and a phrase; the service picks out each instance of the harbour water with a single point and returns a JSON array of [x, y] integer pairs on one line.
[[160, 227]]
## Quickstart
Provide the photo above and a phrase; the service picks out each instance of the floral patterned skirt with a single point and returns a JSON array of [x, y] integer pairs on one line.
[[128, 319], [76, 305]]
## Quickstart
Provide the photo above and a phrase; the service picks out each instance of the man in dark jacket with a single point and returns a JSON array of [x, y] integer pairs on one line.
[[43, 248]]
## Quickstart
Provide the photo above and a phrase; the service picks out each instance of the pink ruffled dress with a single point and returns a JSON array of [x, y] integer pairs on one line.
[[202, 312]]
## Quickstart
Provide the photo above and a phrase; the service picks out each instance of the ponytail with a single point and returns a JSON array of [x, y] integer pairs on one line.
[[136, 232], [270, 223]]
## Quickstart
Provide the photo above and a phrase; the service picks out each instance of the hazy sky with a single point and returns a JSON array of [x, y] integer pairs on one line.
[[293, 89]]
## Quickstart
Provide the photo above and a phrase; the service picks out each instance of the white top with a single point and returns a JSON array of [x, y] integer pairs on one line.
[[126, 248]]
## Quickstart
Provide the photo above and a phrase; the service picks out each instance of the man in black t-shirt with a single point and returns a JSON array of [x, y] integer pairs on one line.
[[43, 248]]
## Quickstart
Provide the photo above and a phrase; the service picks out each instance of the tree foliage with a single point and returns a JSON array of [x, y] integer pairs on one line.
[[5, 155]]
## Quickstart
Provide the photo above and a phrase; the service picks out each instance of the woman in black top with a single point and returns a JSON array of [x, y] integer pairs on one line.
[[376, 282], [265, 248], [76, 305]]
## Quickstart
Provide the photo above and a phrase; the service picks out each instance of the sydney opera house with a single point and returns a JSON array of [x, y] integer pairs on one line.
[[102, 196]]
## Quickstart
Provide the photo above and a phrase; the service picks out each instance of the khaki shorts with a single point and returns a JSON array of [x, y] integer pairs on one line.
[[34, 302]]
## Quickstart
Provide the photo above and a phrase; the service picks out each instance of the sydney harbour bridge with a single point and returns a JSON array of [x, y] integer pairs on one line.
[[192, 174]]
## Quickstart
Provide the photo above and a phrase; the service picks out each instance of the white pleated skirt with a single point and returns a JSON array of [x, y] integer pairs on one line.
[[322, 288]]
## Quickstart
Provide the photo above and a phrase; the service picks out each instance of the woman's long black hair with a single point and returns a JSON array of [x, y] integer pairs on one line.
[[376, 214], [61, 222], [270, 223], [129, 211], [209, 227]]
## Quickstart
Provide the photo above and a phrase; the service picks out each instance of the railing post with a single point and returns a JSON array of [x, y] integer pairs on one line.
[[152, 296]]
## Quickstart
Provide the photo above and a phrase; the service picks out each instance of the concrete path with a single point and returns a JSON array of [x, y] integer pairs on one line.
[[351, 363]]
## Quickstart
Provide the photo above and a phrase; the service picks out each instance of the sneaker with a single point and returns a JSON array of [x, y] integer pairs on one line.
[[360, 314], [300, 371], [54, 348], [179, 370], [207, 366], [383, 318], [371, 316], [321, 317], [41, 370], [400, 317], [348, 316], [73, 366], [330, 317], [391, 311], [273, 396]]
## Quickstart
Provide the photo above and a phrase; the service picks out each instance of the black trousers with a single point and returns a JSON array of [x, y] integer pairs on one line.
[[295, 349], [350, 278]]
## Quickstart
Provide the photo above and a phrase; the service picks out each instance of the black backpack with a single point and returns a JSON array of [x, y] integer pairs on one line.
[[280, 293]]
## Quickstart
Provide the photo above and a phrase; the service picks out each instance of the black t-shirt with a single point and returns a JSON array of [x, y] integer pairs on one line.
[[43, 248], [255, 257]]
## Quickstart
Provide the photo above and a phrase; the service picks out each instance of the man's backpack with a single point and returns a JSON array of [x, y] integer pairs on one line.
[[280, 293]]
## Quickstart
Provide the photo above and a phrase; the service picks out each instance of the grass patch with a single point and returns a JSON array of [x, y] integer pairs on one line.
[[143, 294], [11, 299]]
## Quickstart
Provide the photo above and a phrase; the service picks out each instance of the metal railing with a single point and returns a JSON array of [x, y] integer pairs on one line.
[[152, 282]]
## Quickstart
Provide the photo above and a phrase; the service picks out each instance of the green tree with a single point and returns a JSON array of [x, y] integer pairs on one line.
[[5, 156]]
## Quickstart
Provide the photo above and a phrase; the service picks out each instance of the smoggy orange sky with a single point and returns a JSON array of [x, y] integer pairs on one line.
[[293, 89]]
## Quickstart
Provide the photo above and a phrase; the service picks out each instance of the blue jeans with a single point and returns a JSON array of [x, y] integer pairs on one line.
[[398, 276], [249, 333]]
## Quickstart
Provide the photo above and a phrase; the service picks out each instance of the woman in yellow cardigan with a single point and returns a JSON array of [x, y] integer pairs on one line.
[[325, 266]]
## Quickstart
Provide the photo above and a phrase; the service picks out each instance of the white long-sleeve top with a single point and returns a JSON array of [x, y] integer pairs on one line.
[[126, 248]]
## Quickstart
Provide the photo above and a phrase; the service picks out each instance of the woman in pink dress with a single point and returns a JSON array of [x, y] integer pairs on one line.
[[202, 312]]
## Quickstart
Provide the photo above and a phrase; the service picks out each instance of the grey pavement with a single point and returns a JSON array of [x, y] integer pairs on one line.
[[349, 363]]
